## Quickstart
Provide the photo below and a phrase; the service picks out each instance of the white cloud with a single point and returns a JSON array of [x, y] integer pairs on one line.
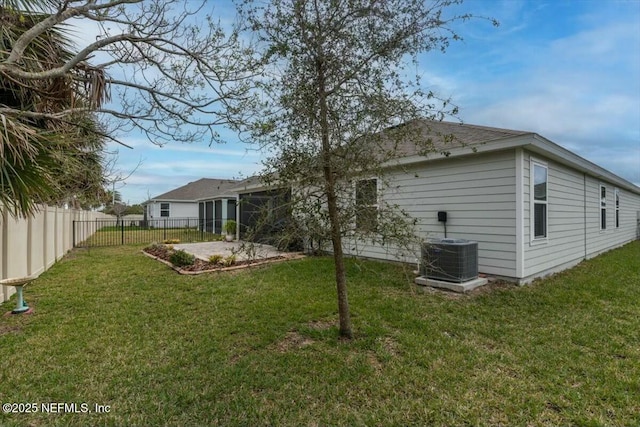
[[212, 167], [580, 89], [159, 176], [574, 79]]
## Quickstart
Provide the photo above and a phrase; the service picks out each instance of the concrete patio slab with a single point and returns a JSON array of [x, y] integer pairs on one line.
[[242, 250], [455, 287]]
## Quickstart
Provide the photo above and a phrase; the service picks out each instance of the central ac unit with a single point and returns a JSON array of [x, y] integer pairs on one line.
[[452, 260]]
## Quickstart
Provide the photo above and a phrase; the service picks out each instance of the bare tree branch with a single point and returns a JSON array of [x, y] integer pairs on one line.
[[167, 63]]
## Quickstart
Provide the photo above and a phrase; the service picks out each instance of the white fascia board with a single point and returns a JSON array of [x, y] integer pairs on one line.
[[467, 150], [555, 152], [252, 188], [532, 142], [171, 201], [231, 195]]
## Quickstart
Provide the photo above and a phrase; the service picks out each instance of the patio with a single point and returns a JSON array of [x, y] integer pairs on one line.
[[242, 250]]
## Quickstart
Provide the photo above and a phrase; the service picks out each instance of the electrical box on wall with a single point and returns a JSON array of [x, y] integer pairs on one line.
[[442, 216]]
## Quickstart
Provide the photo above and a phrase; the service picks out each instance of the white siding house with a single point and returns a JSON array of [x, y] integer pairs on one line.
[[581, 223], [181, 203], [533, 207], [167, 208]]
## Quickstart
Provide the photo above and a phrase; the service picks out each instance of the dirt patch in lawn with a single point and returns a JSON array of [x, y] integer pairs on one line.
[[7, 329], [321, 325], [293, 340], [495, 285]]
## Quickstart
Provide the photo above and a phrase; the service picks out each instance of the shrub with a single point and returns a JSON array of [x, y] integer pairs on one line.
[[171, 241], [154, 246], [229, 261], [230, 227], [215, 259], [181, 258]]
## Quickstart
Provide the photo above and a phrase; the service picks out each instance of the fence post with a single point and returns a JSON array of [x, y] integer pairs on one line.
[[73, 232], [122, 231], [164, 223]]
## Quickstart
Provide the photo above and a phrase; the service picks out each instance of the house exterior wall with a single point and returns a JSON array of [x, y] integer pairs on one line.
[[477, 191], [176, 209], [488, 199], [573, 229], [598, 240]]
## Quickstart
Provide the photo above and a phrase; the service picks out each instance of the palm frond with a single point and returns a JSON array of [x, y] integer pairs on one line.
[[46, 159]]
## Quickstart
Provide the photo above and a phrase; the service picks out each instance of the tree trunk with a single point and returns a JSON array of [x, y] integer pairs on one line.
[[332, 205], [338, 260]]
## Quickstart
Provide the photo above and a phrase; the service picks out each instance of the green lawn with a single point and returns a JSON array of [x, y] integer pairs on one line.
[[111, 236], [260, 347]]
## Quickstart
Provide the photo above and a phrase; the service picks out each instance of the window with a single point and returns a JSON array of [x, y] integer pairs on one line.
[[164, 209], [539, 200], [603, 207], [616, 193], [367, 205]]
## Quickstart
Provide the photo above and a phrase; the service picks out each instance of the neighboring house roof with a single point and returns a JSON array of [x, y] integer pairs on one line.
[[200, 189]]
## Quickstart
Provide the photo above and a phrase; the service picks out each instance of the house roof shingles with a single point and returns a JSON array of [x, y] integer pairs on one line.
[[440, 136], [202, 188], [433, 135], [444, 136]]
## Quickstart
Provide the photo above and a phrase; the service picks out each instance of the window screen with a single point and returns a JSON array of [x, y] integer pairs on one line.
[[539, 201], [603, 207], [164, 209], [367, 205]]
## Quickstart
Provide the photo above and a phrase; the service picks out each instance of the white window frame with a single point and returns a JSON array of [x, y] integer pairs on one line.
[[376, 205], [533, 202], [168, 210], [616, 197], [602, 206]]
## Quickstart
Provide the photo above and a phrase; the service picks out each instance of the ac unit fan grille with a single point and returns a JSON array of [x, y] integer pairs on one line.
[[452, 260]]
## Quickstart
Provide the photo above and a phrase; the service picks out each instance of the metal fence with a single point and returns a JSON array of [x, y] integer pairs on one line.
[[113, 232]]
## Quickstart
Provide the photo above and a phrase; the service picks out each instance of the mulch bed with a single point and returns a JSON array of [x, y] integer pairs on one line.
[[163, 253]]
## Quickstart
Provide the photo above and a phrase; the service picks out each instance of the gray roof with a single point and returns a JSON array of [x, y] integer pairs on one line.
[[202, 188], [417, 137], [425, 136], [254, 183]]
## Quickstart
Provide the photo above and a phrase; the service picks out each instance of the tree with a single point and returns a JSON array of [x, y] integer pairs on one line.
[[118, 209], [337, 78], [44, 160], [79, 172], [136, 209], [111, 197], [167, 62]]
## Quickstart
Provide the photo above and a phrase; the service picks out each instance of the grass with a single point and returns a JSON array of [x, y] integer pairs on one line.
[[260, 347], [110, 235]]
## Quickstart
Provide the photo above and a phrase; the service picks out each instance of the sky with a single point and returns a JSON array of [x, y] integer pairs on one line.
[[567, 70]]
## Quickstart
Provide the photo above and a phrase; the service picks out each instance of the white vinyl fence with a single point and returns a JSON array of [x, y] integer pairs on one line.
[[32, 245]]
